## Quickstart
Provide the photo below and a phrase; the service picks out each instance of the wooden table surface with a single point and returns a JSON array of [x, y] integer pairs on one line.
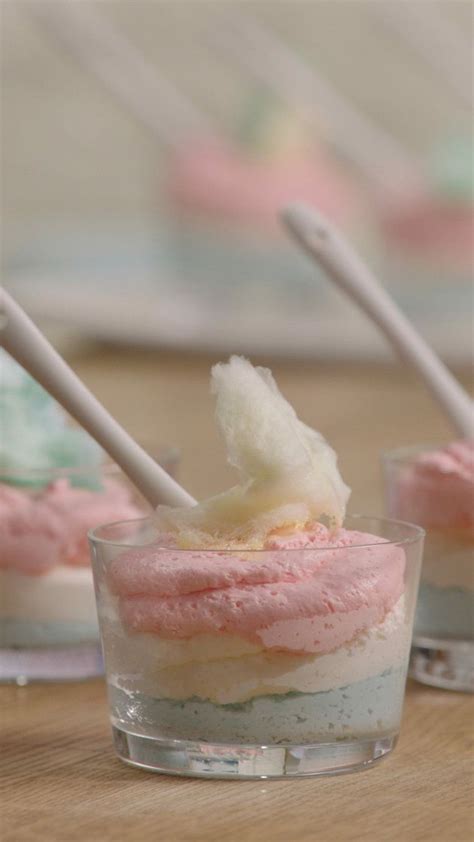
[[60, 779]]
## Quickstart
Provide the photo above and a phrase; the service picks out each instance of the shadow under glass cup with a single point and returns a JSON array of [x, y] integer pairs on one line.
[[48, 617], [443, 641], [256, 664]]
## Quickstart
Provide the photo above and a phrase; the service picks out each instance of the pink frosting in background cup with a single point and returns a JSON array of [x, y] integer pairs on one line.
[[41, 529], [434, 486], [48, 620]]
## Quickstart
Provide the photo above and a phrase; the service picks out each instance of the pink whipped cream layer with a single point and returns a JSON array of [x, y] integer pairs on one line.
[[217, 180], [42, 530], [301, 601], [436, 490]]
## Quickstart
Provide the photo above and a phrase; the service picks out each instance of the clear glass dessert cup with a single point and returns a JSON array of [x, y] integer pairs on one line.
[[299, 671], [443, 641], [48, 617]]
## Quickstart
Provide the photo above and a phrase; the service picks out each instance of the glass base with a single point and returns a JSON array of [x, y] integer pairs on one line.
[[448, 664], [203, 760], [58, 663]]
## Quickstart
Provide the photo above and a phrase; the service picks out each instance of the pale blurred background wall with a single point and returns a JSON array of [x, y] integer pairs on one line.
[[69, 148], [83, 196]]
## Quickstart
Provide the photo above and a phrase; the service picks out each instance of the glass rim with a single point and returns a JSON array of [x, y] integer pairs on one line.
[[108, 467], [415, 534]]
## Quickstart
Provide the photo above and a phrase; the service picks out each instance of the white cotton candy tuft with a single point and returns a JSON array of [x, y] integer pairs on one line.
[[288, 472]]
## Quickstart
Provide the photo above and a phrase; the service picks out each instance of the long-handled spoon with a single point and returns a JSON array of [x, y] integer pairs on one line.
[[106, 52], [24, 341], [326, 245]]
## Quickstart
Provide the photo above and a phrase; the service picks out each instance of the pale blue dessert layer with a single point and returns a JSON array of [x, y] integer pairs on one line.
[[28, 634], [366, 708], [445, 612]]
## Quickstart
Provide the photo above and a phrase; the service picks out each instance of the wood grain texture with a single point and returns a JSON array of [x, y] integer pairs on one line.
[[60, 780]]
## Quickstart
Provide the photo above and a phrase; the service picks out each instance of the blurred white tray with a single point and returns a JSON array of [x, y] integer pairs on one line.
[[122, 284], [170, 316]]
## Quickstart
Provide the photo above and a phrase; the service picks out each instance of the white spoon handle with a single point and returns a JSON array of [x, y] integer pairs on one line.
[[324, 243], [22, 339], [123, 70]]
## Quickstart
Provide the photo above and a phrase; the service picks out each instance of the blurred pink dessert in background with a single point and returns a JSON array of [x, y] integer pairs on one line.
[[225, 197], [433, 226], [432, 229], [47, 528], [54, 487], [47, 594], [225, 183], [435, 488], [273, 158]]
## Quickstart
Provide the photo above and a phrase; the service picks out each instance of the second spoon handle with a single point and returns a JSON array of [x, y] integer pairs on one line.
[[324, 243]]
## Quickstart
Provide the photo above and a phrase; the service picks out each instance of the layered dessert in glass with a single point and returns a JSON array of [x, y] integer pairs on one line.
[[261, 632], [54, 486], [435, 488]]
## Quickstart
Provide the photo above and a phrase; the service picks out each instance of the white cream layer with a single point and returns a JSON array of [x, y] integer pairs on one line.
[[229, 669], [64, 594]]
